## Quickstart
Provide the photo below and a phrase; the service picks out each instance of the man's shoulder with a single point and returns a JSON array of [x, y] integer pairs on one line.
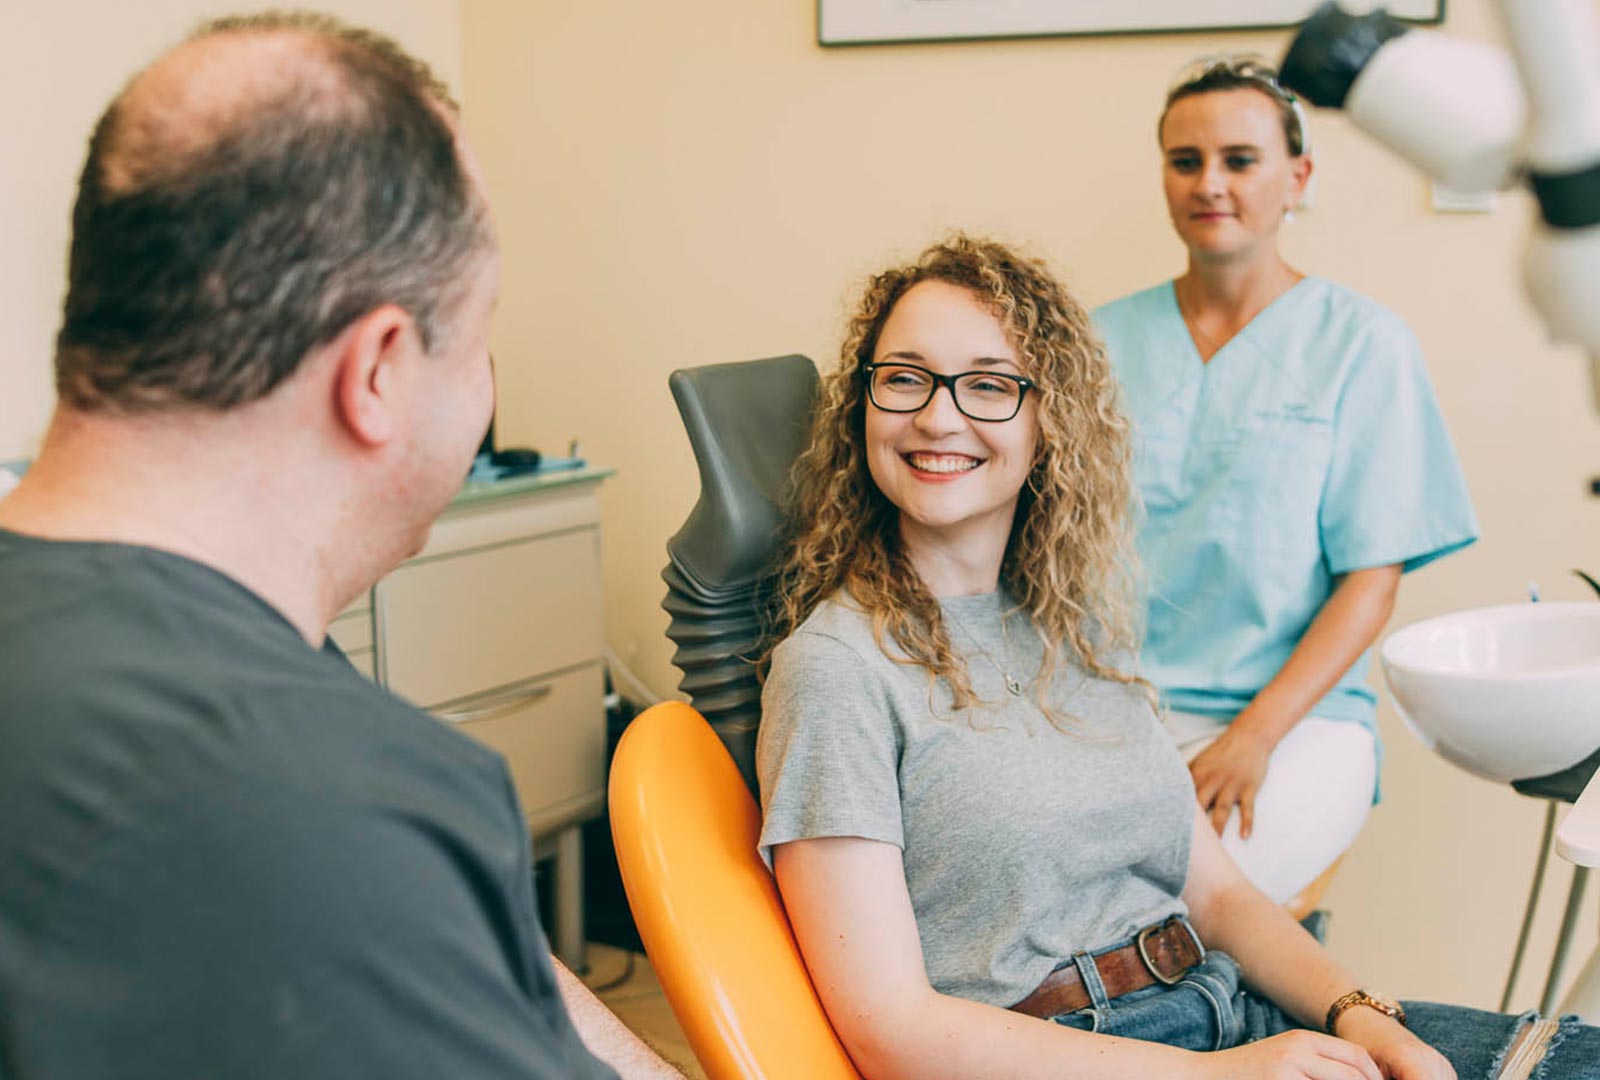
[[138, 681], [93, 629]]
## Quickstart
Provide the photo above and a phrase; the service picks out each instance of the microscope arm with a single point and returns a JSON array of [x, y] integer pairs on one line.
[[1578, 839]]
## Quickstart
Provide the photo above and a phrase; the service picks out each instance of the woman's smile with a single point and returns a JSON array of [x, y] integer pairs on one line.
[[940, 465]]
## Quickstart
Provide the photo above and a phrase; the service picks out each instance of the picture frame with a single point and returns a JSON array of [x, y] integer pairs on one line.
[[880, 22]]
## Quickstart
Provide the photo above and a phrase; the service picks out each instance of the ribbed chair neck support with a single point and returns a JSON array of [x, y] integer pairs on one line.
[[747, 423]]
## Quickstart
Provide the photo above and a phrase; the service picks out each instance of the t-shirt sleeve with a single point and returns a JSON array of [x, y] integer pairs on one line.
[[828, 752], [1395, 491], [258, 929]]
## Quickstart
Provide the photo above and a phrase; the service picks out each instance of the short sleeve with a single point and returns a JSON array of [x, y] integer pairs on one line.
[[828, 752], [1395, 491]]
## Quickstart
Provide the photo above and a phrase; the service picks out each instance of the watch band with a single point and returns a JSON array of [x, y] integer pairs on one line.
[[1387, 1006]]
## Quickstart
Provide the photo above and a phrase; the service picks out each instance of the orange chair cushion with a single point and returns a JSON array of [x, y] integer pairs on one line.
[[709, 913]]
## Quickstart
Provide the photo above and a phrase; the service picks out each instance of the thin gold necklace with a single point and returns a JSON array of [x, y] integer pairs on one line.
[[1013, 684]]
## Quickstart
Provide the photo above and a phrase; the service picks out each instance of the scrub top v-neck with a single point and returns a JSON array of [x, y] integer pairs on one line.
[[1309, 446]]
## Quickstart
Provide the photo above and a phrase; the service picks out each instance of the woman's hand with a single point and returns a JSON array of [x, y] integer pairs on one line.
[[1229, 772], [1400, 1054], [1294, 1055]]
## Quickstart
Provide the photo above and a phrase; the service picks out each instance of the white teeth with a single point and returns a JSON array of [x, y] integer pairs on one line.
[[943, 463]]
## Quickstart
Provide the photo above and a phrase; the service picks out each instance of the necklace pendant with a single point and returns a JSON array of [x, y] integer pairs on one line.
[[1013, 686]]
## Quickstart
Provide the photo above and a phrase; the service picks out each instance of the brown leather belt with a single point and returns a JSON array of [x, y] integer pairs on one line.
[[1162, 952]]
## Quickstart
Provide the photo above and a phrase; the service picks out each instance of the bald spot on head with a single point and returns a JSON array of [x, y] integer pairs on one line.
[[208, 89], [229, 72]]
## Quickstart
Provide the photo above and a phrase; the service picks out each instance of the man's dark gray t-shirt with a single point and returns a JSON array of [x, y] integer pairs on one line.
[[226, 854]]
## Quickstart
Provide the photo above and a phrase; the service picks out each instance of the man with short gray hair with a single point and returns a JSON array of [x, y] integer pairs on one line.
[[226, 853]]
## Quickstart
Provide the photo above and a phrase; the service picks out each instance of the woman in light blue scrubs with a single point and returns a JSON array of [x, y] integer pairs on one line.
[[1292, 463]]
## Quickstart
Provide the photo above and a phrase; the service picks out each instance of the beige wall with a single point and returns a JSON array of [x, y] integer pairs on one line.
[[64, 63], [683, 184]]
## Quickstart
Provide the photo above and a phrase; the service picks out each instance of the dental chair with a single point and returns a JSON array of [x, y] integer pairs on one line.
[[683, 816], [685, 826]]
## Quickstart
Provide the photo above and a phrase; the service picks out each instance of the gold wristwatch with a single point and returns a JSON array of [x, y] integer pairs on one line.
[[1386, 1005]]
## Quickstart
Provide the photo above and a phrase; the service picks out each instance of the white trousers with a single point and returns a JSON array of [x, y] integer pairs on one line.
[[1312, 804]]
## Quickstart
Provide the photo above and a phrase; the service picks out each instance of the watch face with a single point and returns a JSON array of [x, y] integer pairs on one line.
[[1387, 1005]]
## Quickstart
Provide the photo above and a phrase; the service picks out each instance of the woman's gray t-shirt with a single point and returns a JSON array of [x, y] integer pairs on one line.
[[1022, 843]]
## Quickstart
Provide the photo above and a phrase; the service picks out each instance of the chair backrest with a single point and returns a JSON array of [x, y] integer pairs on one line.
[[747, 422], [685, 828]]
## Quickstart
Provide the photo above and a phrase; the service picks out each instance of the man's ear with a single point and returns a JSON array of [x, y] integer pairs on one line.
[[370, 372]]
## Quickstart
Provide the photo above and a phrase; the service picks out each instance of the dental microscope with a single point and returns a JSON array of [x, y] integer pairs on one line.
[[1478, 118]]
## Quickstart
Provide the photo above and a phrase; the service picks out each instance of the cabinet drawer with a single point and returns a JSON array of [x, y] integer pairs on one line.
[[552, 733], [462, 623]]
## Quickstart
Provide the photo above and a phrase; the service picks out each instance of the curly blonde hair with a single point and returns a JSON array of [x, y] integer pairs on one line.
[[1068, 562]]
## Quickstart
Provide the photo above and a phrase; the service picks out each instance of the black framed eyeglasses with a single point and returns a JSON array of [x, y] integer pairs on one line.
[[987, 396]]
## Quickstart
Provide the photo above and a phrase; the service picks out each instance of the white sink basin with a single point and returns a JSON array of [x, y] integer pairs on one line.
[[1507, 692]]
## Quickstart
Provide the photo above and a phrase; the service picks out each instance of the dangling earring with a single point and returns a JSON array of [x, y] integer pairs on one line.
[[1288, 213]]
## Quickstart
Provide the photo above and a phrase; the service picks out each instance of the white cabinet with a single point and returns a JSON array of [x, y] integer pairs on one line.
[[497, 626]]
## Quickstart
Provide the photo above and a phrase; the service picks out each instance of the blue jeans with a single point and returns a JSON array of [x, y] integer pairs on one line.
[[1209, 1010]]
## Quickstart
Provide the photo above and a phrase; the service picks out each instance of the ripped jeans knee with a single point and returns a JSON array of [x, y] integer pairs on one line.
[[1491, 1046]]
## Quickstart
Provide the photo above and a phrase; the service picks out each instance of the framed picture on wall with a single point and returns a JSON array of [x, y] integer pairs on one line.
[[876, 22]]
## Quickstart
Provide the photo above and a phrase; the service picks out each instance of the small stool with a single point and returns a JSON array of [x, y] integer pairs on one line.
[[1556, 788]]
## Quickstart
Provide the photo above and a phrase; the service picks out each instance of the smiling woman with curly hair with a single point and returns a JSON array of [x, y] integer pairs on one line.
[[1066, 563], [988, 848]]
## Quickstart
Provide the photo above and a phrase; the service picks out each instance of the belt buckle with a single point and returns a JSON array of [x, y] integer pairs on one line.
[[1144, 953]]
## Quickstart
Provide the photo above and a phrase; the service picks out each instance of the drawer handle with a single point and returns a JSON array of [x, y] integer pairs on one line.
[[497, 704]]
